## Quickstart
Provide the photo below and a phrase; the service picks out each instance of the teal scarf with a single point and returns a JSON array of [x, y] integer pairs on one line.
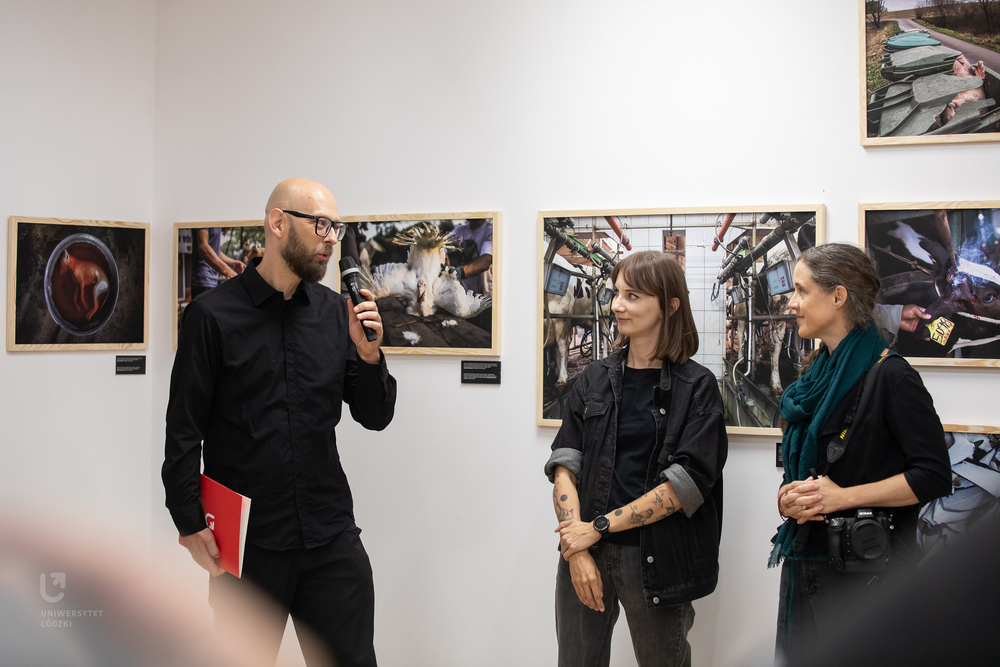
[[807, 405]]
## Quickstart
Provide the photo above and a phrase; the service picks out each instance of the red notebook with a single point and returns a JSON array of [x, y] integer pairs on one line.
[[226, 514]]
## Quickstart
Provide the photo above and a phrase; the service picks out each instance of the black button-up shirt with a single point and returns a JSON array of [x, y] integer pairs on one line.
[[261, 381]]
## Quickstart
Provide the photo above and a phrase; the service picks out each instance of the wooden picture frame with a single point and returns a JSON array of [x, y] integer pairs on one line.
[[909, 105], [924, 252], [183, 258], [974, 452], [77, 285], [455, 314], [566, 306]]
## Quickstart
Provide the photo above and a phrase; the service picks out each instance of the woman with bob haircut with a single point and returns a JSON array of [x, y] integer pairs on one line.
[[637, 473], [848, 459]]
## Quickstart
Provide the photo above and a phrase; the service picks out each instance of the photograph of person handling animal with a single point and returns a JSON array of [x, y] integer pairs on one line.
[[435, 277], [930, 72], [940, 281]]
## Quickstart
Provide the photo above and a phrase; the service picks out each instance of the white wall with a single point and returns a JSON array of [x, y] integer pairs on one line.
[[442, 106], [76, 141]]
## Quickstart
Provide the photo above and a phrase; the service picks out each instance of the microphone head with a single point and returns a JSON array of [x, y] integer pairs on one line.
[[348, 263]]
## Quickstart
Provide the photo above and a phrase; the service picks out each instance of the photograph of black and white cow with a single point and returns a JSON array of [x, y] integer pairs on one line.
[[577, 327], [433, 279], [943, 264]]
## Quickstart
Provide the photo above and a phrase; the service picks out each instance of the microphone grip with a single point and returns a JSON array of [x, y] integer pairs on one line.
[[354, 290]]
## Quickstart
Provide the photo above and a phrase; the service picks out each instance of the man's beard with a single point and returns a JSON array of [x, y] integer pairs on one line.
[[301, 259]]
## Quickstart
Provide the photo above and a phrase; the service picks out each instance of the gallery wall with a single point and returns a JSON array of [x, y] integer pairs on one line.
[[430, 107], [76, 141]]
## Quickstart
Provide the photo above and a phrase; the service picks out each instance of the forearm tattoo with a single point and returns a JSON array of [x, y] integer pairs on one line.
[[638, 518], [558, 498], [658, 501], [662, 505]]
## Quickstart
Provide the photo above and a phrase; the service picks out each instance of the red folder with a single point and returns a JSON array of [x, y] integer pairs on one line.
[[226, 514]]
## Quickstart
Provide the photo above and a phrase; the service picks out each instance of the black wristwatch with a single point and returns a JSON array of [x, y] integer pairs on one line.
[[602, 525]]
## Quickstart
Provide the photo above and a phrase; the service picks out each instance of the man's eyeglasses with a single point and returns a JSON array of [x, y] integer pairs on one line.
[[323, 225]]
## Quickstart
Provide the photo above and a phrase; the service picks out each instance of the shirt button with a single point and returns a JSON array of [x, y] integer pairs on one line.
[[649, 559], [670, 458], [656, 600], [663, 411]]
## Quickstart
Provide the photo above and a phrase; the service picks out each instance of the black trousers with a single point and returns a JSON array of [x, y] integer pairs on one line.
[[328, 590]]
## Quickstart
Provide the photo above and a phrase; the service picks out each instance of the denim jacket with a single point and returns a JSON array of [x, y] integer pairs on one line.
[[680, 553]]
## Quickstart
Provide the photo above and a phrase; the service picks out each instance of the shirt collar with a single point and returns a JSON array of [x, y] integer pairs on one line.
[[260, 290]]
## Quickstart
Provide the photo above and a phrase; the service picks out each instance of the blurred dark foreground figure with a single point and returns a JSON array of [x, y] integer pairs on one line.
[[68, 600], [945, 613]]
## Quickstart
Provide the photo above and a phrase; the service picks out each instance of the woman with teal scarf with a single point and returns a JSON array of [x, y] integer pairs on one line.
[[896, 459]]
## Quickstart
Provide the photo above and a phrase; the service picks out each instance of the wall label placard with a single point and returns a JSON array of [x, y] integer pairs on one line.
[[130, 365], [480, 372]]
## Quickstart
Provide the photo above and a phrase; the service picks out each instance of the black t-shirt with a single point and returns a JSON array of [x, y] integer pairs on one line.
[[634, 444]]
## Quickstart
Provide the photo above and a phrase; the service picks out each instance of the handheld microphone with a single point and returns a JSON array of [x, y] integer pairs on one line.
[[351, 275]]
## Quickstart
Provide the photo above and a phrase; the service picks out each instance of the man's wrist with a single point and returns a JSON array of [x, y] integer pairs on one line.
[[373, 361]]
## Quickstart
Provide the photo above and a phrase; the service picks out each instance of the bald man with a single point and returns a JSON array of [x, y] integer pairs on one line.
[[264, 364]]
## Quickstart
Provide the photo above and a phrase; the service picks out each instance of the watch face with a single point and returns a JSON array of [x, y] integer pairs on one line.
[[601, 524]]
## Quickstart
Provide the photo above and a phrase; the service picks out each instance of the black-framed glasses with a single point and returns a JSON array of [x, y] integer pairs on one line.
[[323, 225]]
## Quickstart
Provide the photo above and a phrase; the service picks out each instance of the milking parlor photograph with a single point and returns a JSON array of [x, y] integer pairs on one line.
[[77, 284], [738, 263], [939, 263], [436, 278], [930, 73]]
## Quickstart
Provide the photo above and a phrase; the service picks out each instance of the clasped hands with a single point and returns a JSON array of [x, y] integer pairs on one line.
[[809, 499], [576, 536]]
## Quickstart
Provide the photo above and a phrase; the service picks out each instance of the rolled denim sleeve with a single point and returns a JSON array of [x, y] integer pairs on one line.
[[696, 465], [571, 459], [684, 488], [567, 447]]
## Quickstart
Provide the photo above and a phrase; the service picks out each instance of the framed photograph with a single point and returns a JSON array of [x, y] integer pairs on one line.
[[77, 284], [930, 74], [974, 452], [938, 263], [208, 253], [436, 277], [738, 263]]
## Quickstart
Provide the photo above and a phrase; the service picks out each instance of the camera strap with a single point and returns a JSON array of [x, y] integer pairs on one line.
[[835, 449]]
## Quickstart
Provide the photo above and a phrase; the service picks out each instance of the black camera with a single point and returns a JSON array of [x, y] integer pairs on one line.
[[859, 543]]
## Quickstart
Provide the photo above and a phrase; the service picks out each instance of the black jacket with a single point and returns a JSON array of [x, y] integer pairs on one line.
[[898, 431], [680, 554]]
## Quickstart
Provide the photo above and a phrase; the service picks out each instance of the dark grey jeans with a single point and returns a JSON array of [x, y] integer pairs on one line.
[[659, 635]]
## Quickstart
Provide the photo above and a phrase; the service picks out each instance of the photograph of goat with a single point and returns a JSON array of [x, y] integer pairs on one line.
[[737, 262], [435, 278], [77, 284], [939, 263]]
